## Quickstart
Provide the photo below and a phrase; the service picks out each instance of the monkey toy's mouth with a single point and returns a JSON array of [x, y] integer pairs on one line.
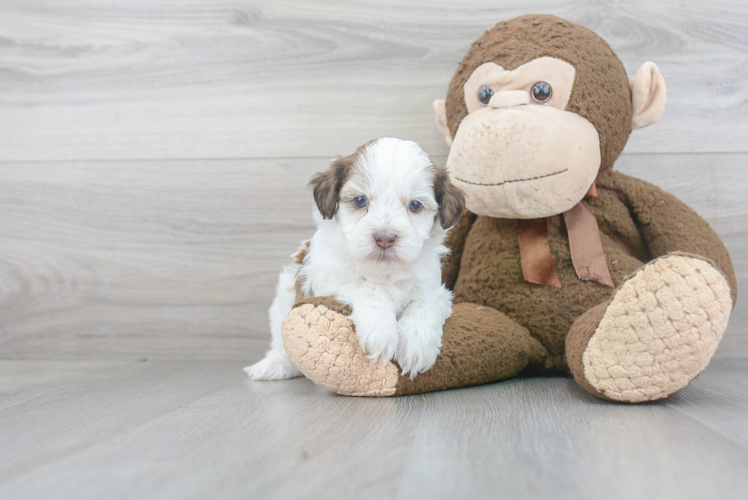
[[494, 184], [524, 162]]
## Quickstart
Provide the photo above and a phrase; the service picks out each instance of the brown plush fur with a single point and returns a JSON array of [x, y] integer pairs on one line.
[[490, 274], [637, 221], [667, 225], [576, 342], [506, 349], [489, 271]]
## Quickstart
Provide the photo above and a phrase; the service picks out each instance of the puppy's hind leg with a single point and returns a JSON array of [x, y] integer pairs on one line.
[[276, 365]]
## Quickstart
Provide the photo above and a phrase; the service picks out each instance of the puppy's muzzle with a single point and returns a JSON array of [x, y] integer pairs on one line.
[[385, 240]]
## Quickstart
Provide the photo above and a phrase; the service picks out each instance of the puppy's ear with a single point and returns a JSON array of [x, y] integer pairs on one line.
[[451, 199], [326, 187]]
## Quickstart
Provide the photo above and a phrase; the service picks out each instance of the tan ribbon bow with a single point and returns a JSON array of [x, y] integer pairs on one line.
[[586, 248]]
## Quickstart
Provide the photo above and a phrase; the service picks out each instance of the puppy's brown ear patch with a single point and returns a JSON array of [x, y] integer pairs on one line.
[[450, 198], [326, 186]]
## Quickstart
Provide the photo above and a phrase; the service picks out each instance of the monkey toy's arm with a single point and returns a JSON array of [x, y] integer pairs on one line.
[[455, 241], [668, 225]]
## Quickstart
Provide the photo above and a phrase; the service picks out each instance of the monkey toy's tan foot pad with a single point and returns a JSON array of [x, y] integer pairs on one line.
[[321, 341], [657, 333]]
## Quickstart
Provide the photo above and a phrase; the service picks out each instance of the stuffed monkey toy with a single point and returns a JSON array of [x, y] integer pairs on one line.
[[560, 264]]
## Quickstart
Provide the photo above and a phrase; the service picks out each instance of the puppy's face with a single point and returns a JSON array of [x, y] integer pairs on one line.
[[388, 199]]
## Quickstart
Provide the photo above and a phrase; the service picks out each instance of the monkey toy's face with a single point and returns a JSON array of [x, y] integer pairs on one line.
[[518, 153], [537, 108]]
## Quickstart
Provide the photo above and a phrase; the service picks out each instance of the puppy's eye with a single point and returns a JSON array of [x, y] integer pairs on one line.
[[415, 206], [360, 201], [541, 92], [484, 95]]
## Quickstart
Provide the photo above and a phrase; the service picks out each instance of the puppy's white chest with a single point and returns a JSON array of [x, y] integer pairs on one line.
[[404, 285], [400, 291]]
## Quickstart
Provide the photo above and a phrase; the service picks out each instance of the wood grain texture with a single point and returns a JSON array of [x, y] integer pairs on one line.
[[140, 259], [203, 430], [179, 259], [98, 399], [82, 79]]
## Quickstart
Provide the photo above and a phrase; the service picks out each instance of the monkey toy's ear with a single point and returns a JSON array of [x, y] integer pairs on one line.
[[648, 95], [440, 116]]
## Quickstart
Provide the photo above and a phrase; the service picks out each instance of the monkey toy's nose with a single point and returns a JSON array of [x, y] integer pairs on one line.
[[385, 240], [509, 98]]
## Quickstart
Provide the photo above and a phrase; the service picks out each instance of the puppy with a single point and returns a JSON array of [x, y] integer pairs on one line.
[[382, 216]]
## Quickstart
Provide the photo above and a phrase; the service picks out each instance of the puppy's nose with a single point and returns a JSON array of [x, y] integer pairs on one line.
[[385, 240]]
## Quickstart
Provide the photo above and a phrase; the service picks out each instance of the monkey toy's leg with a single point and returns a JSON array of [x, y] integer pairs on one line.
[[479, 345], [658, 331], [661, 327]]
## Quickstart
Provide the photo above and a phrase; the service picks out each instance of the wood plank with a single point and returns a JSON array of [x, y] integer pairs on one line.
[[58, 417], [718, 400], [179, 259], [24, 380], [86, 80], [524, 438], [734, 344], [551, 440], [173, 259]]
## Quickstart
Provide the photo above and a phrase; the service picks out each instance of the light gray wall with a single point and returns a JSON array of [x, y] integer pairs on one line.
[[154, 154]]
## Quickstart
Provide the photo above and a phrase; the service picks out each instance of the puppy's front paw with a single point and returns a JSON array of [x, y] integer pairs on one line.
[[418, 345], [274, 366], [377, 336]]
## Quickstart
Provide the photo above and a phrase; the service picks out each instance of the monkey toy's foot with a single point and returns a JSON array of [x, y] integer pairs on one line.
[[657, 333], [479, 345], [321, 341]]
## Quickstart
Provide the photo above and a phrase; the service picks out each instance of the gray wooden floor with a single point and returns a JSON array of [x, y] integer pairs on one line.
[[201, 429]]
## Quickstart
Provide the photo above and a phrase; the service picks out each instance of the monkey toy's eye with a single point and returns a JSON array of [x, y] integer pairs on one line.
[[541, 92], [360, 201], [415, 206], [484, 95]]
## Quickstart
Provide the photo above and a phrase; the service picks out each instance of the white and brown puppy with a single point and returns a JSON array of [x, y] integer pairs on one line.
[[382, 216]]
